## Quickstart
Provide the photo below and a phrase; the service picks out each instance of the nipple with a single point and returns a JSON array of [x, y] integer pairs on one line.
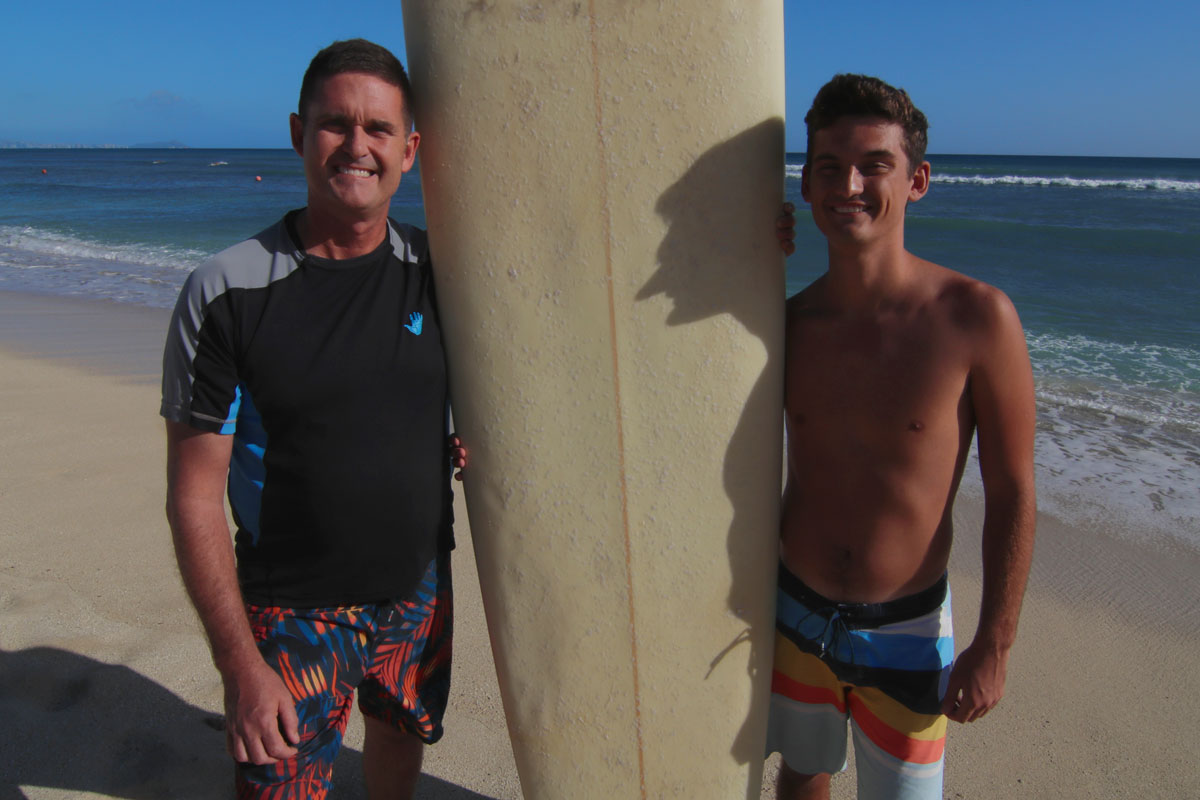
[[916, 426]]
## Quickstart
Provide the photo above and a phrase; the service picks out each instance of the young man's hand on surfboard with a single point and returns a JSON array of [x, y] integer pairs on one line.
[[458, 455], [785, 229]]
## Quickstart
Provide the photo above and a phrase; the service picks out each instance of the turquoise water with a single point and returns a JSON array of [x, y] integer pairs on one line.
[[1100, 255]]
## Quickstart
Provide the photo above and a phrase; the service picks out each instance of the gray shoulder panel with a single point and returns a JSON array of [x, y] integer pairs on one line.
[[255, 263], [409, 243]]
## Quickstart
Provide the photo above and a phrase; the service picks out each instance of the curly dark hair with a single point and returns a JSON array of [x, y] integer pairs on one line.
[[849, 95]]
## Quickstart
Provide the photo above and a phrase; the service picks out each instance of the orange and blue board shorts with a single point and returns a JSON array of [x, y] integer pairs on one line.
[[883, 667], [395, 654]]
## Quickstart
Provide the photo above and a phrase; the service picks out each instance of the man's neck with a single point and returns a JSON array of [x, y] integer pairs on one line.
[[868, 276], [326, 237]]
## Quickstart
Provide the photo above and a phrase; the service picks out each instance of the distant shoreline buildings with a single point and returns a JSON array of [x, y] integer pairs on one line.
[[14, 145]]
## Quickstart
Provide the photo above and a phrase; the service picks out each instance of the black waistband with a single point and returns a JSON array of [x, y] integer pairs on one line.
[[867, 614]]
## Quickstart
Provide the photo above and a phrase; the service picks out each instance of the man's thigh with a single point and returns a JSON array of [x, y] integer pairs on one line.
[[407, 682], [807, 719], [898, 752], [321, 655]]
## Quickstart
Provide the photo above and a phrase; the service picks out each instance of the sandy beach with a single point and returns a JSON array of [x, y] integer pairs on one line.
[[108, 691]]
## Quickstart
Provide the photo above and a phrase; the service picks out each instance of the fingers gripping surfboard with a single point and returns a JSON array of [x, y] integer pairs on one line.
[[601, 181]]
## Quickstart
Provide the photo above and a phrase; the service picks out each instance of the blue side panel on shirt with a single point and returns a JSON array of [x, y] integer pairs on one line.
[[247, 473], [231, 416]]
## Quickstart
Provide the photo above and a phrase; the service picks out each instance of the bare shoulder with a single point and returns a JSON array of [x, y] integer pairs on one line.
[[971, 305], [806, 301]]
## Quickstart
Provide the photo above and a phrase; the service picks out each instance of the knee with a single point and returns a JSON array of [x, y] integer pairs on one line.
[[793, 785], [385, 736]]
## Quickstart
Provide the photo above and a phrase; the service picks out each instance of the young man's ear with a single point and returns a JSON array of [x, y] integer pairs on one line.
[[296, 125], [920, 183], [804, 182]]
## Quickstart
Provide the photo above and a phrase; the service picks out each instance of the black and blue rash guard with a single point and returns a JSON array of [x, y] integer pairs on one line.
[[330, 376]]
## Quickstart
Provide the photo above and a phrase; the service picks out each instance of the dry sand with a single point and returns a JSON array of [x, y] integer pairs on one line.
[[107, 690]]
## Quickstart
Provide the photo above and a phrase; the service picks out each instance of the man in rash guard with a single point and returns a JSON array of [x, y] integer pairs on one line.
[[304, 373]]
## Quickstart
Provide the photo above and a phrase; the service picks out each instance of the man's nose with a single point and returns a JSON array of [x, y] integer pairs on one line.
[[853, 182], [355, 143]]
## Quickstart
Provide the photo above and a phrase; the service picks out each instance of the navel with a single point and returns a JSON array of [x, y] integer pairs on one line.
[[916, 426]]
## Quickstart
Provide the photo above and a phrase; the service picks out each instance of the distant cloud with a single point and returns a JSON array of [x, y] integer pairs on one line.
[[159, 104], [160, 99], [158, 116]]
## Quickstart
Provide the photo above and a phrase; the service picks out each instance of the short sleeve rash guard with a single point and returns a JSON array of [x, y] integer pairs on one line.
[[330, 376]]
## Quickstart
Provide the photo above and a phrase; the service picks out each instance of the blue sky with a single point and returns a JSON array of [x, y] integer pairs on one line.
[[1052, 77]]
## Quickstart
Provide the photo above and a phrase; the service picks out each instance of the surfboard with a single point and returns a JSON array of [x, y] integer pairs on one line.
[[601, 181]]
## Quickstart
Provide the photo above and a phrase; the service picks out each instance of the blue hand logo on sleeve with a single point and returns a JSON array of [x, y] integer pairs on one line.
[[414, 323]]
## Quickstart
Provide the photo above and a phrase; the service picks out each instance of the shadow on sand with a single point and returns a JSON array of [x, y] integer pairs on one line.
[[77, 724]]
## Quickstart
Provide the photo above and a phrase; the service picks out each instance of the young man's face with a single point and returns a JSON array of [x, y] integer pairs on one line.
[[858, 180], [355, 144]]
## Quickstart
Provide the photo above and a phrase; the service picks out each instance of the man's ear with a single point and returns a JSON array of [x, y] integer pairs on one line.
[[804, 182], [296, 125], [410, 150], [920, 181]]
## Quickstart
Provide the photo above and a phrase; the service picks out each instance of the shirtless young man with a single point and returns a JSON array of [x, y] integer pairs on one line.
[[893, 365]]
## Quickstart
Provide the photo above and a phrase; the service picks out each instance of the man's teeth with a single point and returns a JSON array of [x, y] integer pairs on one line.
[[361, 173], [849, 209]]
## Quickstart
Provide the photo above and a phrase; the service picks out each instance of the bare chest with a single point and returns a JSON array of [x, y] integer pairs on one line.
[[872, 381]]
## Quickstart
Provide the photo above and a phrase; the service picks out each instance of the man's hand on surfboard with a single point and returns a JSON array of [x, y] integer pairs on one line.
[[785, 229], [458, 455]]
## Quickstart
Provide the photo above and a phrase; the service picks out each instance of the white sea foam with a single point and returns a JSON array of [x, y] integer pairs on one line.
[[1118, 436], [30, 248], [1136, 184], [41, 261], [1065, 181], [1131, 365], [1091, 471]]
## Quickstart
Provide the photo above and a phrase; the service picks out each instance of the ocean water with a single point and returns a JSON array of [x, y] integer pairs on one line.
[[1100, 255]]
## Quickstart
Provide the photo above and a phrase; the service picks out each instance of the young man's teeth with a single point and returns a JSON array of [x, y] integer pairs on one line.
[[362, 173]]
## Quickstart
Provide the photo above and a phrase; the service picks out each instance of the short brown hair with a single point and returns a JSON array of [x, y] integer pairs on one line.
[[356, 55], [849, 95]]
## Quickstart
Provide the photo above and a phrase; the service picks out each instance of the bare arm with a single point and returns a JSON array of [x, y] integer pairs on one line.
[[258, 707], [1005, 413]]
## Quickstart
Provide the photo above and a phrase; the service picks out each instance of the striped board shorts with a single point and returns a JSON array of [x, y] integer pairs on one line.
[[882, 666]]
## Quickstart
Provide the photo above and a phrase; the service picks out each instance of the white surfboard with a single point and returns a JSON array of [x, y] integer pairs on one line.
[[601, 181]]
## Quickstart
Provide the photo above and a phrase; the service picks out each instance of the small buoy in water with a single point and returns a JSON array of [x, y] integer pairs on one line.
[[258, 177], [43, 172]]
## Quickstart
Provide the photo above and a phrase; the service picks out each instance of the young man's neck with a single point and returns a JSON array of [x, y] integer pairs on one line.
[[328, 237], [863, 274]]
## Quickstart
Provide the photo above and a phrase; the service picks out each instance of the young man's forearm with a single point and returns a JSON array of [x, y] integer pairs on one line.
[[1008, 537]]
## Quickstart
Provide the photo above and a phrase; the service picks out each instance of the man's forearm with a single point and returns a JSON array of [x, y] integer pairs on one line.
[[197, 468], [204, 551], [1008, 537]]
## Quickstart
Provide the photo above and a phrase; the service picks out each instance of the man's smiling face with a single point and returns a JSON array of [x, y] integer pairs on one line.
[[356, 145], [858, 179]]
